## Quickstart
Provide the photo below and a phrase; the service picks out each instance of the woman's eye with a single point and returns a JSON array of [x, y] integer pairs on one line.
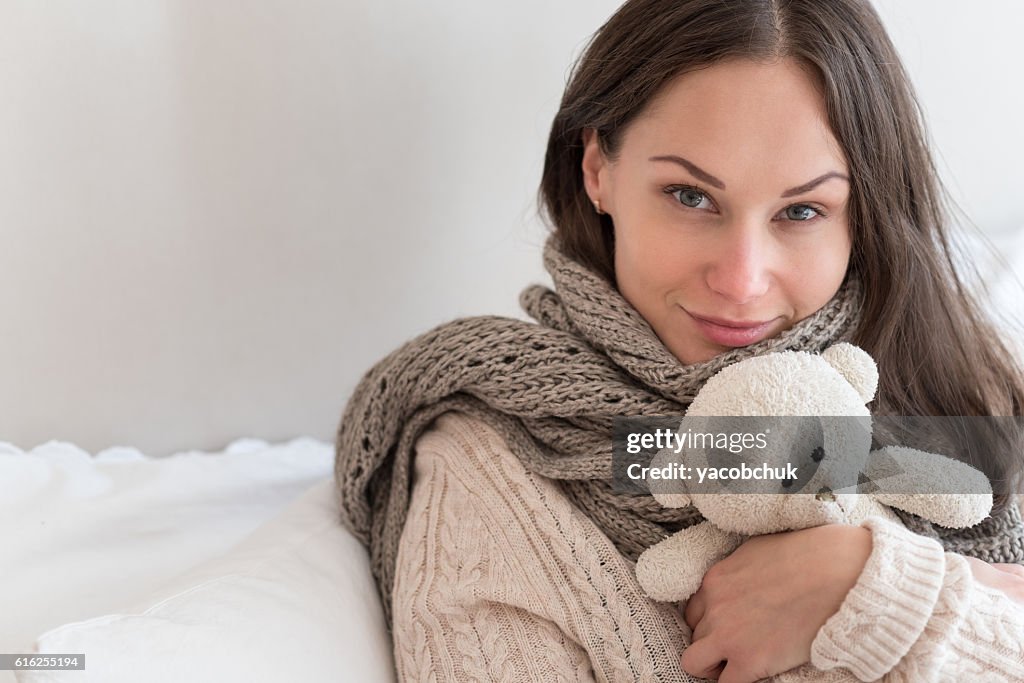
[[691, 197], [801, 212]]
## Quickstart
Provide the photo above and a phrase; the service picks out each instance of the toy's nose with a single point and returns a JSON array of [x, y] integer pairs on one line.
[[826, 495]]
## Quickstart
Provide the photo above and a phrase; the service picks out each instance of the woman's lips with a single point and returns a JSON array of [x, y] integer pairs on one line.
[[732, 333]]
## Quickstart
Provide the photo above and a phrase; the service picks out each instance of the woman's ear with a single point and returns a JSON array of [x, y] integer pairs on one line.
[[594, 169]]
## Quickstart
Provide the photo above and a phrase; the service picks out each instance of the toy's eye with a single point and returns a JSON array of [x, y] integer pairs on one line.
[[789, 481], [818, 454]]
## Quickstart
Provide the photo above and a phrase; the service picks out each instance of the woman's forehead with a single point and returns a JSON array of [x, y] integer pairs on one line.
[[739, 115]]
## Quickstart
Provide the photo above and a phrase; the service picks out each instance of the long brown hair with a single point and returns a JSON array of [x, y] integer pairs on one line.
[[937, 352]]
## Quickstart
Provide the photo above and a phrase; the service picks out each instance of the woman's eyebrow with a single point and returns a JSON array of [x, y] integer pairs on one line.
[[807, 187], [693, 168], [703, 175]]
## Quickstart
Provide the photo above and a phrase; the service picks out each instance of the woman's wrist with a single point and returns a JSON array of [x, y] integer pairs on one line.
[[887, 608], [839, 553], [849, 551], [762, 606]]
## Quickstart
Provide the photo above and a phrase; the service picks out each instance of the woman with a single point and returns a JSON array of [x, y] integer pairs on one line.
[[724, 179]]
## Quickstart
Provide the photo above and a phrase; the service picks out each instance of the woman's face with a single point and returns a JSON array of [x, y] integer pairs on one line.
[[729, 201]]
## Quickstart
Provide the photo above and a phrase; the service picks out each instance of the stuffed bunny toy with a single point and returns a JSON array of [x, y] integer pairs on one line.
[[833, 455]]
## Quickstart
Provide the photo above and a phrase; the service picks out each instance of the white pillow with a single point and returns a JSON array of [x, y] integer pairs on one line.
[[293, 602], [93, 534]]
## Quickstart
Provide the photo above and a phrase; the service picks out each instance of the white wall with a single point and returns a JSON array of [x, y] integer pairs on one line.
[[967, 60], [215, 215]]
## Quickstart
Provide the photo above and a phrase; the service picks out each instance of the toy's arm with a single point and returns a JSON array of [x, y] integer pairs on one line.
[[672, 570], [670, 493], [939, 489]]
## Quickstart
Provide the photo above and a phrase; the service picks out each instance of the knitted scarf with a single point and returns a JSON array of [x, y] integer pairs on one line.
[[551, 389]]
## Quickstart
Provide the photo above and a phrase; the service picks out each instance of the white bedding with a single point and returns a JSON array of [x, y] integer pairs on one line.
[[92, 535]]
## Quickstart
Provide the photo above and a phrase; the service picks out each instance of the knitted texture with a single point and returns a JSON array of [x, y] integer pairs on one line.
[[916, 615], [501, 578], [1000, 538], [551, 390]]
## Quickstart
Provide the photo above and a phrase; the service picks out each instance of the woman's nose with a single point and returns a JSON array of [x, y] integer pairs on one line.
[[740, 266]]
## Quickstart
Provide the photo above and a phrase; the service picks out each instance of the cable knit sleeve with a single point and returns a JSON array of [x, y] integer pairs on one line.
[[917, 614], [499, 577]]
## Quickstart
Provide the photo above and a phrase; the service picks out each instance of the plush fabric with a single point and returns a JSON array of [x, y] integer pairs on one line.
[[942, 490]]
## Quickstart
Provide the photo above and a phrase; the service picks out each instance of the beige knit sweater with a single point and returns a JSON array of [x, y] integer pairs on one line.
[[500, 578]]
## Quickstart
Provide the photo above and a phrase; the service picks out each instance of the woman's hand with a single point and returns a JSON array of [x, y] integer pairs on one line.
[[1008, 578], [758, 610]]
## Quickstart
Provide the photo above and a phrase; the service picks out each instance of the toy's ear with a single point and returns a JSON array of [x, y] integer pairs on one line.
[[856, 366]]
